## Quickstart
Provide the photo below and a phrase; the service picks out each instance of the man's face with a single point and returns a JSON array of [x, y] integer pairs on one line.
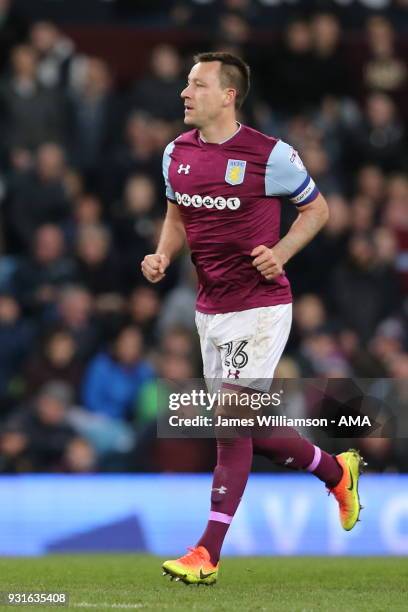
[[204, 97]]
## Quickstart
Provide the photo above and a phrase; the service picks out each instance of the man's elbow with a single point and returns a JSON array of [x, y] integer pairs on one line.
[[318, 210]]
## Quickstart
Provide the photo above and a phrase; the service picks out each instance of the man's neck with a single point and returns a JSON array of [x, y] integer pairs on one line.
[[218, 133]]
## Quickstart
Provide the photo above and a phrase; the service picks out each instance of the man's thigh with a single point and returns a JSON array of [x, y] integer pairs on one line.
[[250, 344], [210, 353]]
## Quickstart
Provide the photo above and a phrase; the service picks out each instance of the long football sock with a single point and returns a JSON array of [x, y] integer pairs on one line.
[[287, 447], [234, 460]]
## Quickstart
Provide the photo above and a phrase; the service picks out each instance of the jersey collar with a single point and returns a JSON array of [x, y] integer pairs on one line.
[[203, 141]]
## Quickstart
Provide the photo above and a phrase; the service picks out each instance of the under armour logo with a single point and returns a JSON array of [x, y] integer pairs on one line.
[[232, 374], [185, 169], [221, 490]]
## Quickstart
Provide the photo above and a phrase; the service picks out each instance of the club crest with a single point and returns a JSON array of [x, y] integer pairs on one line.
[[235, 172]]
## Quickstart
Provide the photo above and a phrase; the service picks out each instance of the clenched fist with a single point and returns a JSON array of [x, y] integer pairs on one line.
[[154, 267], [267, 261]]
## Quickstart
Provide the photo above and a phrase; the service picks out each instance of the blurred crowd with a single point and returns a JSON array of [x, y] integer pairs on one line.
[[82, 337]]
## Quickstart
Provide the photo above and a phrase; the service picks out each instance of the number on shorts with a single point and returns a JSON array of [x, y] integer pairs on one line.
[[237, 358]]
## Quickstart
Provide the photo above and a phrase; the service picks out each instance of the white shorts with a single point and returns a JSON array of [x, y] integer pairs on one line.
[[244, 347]]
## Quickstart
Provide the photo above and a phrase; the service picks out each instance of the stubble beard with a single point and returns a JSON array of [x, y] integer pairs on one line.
[[192, 123]]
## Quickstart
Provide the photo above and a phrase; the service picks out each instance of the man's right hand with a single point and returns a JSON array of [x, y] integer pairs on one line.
[[154, 267]]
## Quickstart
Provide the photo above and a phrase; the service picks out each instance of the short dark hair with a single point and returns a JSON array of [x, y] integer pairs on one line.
[[234, 72]]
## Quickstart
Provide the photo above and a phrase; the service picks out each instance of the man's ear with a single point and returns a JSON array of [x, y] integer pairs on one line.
[[230, 96]]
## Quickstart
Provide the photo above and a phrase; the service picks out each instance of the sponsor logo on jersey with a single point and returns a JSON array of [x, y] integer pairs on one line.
[[295, 159], [235, 172], [185, 169], [197, 201]]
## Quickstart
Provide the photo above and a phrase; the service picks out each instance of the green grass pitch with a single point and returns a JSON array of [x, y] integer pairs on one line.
[[134, 582]]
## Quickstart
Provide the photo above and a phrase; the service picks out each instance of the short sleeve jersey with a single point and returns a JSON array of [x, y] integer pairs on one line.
[[229, 195]]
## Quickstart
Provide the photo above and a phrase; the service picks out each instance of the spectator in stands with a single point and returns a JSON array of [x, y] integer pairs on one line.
[[178, 308], [159, 92], [206, 15], [245, 8], [111, 439], [79, 457], [194, 15], [233, 35], [93, 116], [314, 270], [179, 341], [16, 335], [320, 354], [31, 114], [43, 433], [388, 342], [309, 314], [58, 64], [75, 313], [114, 378], [386, 246], [385, 70], [13, 450], [371, 184], [143, 311], [333, 238], [363, 362], [397, 187], [74, 184], [294, 56], [13, 30], [398, 15], [337, 228], [133, 218], [362, 214], [328, 57], [152, 399], [332, 120], [54, 359], [398, 368], [380, 137], [395, 217], [39, 277], [139, 154], [161, 453], [38, 196], [98, 267], [317, 162], [233, 32], [133, 222], [363, 291], [301, 132], [86, 210]]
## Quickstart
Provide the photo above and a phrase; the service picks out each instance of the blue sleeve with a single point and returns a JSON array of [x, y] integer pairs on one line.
[[166, 165], [286, 175], [146, 373], [93, 386]]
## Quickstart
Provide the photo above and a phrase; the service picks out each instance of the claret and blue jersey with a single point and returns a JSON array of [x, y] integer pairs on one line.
[[229, 195]]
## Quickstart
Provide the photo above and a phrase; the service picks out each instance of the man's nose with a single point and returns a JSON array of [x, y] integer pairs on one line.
[[185, 92]]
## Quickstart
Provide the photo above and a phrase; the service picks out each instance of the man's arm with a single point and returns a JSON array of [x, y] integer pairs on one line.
[[172, 239], [311, 219]]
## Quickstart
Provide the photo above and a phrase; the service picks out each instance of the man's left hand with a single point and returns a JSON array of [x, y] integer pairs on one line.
[[267, 261]]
